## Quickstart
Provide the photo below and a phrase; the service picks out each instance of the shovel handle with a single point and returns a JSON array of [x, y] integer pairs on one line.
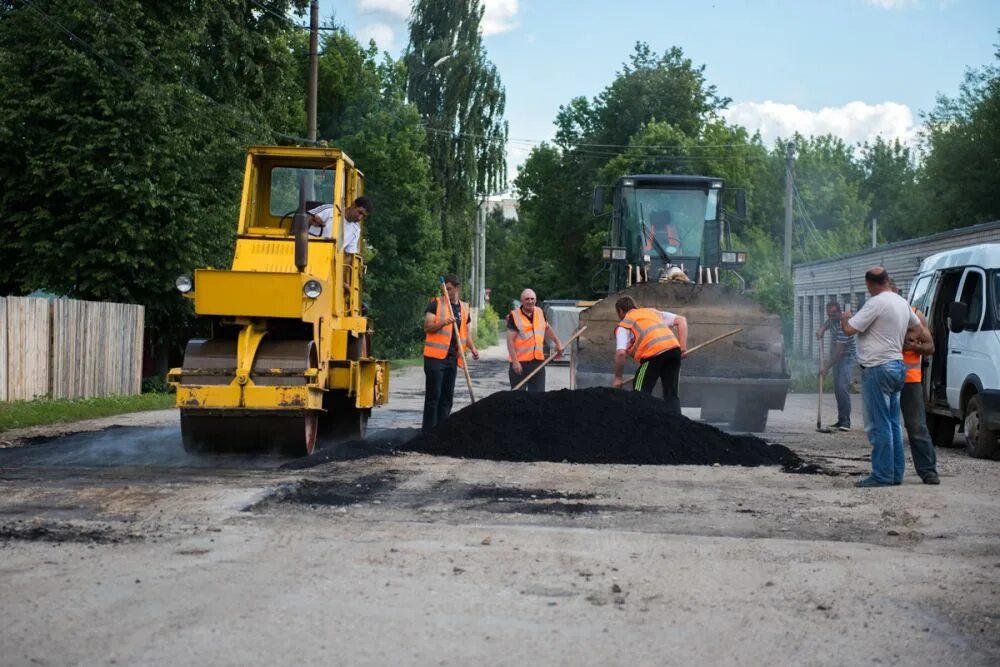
[[550, 358]]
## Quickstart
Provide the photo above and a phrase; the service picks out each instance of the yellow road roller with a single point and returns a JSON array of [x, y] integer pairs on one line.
[[289, 353]]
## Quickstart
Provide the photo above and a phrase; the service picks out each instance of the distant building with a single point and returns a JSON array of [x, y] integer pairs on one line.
[[842, 279], [505, 203]]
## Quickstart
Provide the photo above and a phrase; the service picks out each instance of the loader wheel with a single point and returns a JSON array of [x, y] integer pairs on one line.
[[980, 441], [749, 417]]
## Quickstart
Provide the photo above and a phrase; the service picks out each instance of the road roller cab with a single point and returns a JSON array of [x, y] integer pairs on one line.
[[289, 355]]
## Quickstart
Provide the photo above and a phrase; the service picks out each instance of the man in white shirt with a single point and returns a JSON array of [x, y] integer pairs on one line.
[[321, 222], [881, 327], [646, 334]]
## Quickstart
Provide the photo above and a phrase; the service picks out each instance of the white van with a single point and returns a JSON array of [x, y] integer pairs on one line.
[[959, 293]]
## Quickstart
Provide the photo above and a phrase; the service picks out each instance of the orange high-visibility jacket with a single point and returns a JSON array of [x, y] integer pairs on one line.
[[530, 340], [911, 360], [651, 333], [436, 344]]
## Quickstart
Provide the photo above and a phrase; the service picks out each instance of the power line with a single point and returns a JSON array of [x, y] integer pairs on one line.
[[287, 20]]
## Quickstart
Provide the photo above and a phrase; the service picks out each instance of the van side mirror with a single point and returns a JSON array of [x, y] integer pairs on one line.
[[599, 194], [957, 313], [741, 204]]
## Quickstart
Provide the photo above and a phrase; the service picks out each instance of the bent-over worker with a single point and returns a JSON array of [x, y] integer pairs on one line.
[[647, 335], [441, 355], [526, 333]]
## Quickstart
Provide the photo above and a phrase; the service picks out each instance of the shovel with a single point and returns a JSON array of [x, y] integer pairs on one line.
[[819, 401], [461, 344]]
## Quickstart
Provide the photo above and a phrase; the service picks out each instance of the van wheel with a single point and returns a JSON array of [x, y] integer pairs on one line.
[[980, 441], [942, 430]]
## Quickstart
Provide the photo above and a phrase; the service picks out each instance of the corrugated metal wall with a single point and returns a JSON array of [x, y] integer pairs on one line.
[[842, 279]]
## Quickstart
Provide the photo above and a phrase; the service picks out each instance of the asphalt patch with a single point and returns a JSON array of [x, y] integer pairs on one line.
[[383, 443], [596, 425], [335, 493], [57, 532]]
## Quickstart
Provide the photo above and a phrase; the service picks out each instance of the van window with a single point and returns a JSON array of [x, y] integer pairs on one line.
[[972, 296], [918, 299]]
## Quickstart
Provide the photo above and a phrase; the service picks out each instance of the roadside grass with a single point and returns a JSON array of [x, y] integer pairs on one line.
[[21, 414], [805, 378]]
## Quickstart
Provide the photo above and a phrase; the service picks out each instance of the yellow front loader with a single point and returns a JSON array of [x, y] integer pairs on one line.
[[289, 355]]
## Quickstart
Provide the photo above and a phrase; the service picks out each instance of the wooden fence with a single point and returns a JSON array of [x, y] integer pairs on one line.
[[69, 349]]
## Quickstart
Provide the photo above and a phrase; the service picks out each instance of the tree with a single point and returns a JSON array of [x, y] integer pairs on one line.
[[890, 184], [458, 93], [123, 127], [382, 133], [961, 137]]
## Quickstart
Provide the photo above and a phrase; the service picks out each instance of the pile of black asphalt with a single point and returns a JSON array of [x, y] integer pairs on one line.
[[595, 425]]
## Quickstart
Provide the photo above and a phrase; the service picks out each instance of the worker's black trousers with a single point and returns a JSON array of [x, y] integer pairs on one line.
[[666, 366], [537, 383], [439, 389]]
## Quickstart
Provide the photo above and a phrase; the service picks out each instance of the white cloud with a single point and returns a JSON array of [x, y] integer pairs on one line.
[[498, 16], [893, 4], [382, 33], [397, 8], [854, 122]]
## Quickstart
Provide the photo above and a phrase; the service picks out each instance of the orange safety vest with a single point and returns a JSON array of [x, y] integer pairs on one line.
[[436, 343], [651, 333], [911, 361], [530, 340]]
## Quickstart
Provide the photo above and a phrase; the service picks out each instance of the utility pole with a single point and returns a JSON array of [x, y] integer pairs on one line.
[[874, 230], [313, 71], [789, 190]]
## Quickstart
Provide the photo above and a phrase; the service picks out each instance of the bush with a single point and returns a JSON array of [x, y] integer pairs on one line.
[[488, 328], [155, 384]]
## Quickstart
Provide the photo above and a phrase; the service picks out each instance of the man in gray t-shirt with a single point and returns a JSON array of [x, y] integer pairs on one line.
[[881, 327]]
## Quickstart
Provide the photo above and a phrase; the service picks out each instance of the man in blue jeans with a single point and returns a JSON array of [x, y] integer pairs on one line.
[[842, 361], [881, 327]]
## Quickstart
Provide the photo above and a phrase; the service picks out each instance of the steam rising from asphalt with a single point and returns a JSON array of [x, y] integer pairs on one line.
[[125, 446]]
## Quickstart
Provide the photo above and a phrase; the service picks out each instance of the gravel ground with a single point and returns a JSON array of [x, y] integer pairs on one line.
[[116, 547]]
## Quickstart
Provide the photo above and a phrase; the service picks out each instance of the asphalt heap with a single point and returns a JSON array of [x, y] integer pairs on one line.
[[596, 425]]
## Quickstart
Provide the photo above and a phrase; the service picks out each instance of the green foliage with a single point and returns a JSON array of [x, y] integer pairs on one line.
[[122, 144], [461, 99], [22, 414], [382, 133], [155, 384], [487, 328], [890, 185], [962, 140]]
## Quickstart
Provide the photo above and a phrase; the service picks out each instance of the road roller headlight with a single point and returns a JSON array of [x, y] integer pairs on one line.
[[184, 284], [312, 289]]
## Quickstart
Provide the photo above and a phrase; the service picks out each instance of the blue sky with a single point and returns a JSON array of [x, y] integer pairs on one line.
[[855, 68]]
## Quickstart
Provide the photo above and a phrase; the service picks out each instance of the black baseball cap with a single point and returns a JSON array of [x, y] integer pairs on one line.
[[452, 278]]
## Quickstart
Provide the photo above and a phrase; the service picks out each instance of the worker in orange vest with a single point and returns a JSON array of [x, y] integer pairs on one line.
[[647, 335], [916, 346], [526, 334], [441, 356]]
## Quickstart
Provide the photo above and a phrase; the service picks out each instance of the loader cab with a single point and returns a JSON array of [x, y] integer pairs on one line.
[[664, 221]]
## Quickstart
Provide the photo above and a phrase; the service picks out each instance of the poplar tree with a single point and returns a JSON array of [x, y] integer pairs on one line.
[[461, 100]]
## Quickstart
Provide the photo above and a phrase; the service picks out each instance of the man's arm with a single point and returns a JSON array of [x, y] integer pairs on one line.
[[431, 323], [682, 333], [514, 364], [471, 344], [551, 335], [822, 330], [918, 338], [620, 356]]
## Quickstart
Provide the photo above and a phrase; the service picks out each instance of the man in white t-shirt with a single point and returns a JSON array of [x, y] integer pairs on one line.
[[881, 327], [647, 335], [321, 222]]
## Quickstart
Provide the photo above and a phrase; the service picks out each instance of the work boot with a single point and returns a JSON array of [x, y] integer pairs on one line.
[[931, 478]]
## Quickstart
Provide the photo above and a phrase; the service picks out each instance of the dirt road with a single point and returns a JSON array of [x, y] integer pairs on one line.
[[115, 547]]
